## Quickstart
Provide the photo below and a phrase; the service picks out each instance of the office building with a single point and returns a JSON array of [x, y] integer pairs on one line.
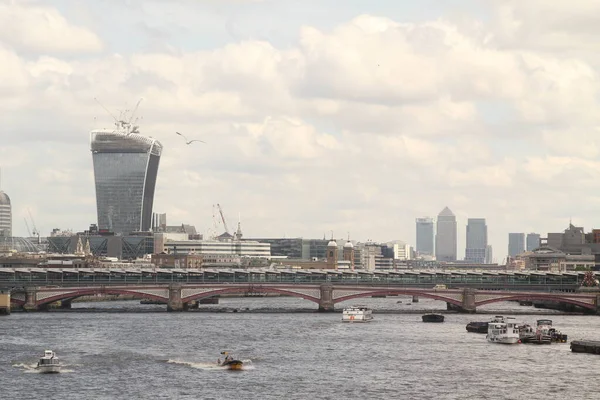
[[445, 239], [476, 241], [5, 215], [425, 236], [516, 244], [125, 171]]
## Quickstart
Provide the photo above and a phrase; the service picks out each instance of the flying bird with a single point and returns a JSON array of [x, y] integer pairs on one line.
[[189, 141]]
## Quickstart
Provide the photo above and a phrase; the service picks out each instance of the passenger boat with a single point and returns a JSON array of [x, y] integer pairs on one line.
[[48, 363], [230, 363], [477, 327], [433, 318], [503, 330], [357, 314]]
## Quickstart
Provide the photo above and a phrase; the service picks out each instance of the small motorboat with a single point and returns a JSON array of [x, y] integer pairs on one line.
[[433, 318], [48, 363], [230, 363]]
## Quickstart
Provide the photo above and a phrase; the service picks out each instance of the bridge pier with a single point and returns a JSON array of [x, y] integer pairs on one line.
[[4, 302], [415, 299], [175, 303], [30, 300], [65, 304], [468, 303], [326, 301]]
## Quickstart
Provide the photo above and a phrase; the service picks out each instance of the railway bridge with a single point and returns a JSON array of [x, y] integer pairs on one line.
[[179, 296]]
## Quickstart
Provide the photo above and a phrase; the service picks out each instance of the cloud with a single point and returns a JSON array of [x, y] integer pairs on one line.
[[40, 29], [361, 127]]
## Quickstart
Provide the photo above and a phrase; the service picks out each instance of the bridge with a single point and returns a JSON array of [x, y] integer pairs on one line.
[[504, 280], [179, 296]]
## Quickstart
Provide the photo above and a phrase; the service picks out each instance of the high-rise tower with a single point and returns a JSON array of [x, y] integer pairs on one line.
[[516, 244], [445, 239], [125, 171], [425, 236], [477, 240], [5, 215]]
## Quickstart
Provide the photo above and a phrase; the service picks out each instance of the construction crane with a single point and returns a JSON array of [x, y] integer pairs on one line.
[[34, 231], [223, 218], [27, 225]]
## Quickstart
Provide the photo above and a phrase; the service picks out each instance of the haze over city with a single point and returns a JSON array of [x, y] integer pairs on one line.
[[316, 118]]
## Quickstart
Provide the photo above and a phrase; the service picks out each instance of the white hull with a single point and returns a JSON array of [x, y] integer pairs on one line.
[[503, 340], [357, 319], [48, 369]]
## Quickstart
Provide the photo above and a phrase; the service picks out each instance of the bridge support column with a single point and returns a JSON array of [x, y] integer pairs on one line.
[[175, 303], [468, 303], [30, 300], [415, 299], [65, 304], [4, 302], [326, 301]]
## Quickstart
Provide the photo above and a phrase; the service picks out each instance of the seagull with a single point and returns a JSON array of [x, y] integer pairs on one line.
[[189, 141]]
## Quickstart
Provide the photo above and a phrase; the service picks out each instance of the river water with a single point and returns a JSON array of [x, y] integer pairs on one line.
[[147, 353]]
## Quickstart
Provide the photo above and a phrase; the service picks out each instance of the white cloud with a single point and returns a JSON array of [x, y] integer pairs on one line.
[[33, 28]]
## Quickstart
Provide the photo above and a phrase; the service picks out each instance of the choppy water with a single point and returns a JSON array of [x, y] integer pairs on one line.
[[161, 355]]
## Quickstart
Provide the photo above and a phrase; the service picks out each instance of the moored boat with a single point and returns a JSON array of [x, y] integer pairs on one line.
[[433, 318], [48, 363], [503, 330], [477, 327], [357, 314]]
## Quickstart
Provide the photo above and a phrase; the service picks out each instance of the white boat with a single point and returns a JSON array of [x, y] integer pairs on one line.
[[49, 363], [357, 314], [503, 330]]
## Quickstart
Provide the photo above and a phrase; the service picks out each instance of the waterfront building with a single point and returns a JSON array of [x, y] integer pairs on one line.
[[246, 248], [445, 239], [425, 236], [516, 244], [125, 171], [476, 240], [5, 215], [489, 255]]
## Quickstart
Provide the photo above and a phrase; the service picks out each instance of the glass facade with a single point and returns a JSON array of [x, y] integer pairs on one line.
[[125, 171]]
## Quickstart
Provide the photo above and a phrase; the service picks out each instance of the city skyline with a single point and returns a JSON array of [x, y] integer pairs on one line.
[[331, 106]]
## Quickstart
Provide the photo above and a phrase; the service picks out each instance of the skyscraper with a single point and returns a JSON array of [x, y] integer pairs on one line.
[[125, 171], [445, 239], [516, 244], [5, 215], [533, 241], [476, 240], [425, 236]]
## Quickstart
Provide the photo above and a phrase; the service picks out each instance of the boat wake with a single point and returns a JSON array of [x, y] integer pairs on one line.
[[208, 366], [32, 368]]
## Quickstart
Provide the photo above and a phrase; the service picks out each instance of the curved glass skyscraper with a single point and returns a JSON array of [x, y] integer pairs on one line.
[[125, 170]]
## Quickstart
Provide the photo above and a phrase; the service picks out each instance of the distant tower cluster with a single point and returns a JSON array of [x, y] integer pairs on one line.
[[516, 244]]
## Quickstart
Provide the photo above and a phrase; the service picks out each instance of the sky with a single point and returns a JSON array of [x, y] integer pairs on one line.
[[318, 117]]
